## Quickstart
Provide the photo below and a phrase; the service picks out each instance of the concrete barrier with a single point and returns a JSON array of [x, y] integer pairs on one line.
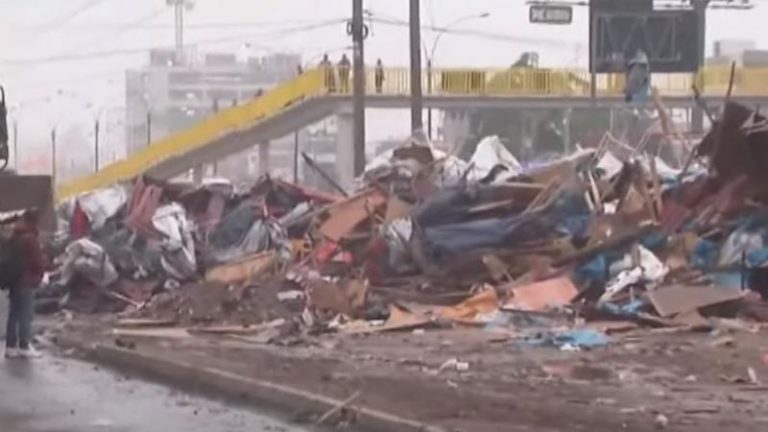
[[261, 393]]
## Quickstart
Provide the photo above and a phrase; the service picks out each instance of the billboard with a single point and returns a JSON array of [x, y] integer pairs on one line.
[[545, 14], [670, 39]]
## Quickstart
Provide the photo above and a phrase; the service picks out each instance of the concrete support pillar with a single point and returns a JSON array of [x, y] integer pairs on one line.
[[530, 130], [345, 148], [197, 174], [455, 128], [264, 158], [567, 145]]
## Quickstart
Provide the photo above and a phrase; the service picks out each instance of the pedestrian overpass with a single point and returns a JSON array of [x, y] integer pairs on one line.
[[316, 95]]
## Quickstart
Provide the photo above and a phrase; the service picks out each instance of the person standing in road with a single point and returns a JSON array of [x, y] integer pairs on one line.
[[18, 338], [379, 76], [344, 69]]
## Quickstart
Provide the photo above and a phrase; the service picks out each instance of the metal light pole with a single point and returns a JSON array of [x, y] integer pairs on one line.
[[358, 36], [431, 57], [16, 145], [417, 98], [96, 145], [53, 154], [149, 127], [700, 6], [179, 6]]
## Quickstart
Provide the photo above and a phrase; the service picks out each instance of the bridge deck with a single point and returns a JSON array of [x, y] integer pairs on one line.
[[314, 94]]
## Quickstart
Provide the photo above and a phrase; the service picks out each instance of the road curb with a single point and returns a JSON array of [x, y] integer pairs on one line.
[[244, 389]]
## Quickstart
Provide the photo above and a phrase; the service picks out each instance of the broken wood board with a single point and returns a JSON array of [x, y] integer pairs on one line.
[[162, 333], [470, 310], [346, 215], [244, 270], [145, 322], [613, 327], [239, 330], [396, 209], [497, 268], [399, 320], [263, 337], [344, 297], [675, 299], [540, 296]]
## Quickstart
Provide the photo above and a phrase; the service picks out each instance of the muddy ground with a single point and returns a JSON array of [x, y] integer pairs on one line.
[[645, 380]]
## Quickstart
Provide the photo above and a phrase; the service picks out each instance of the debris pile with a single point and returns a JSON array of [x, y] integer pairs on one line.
[[558, 253]]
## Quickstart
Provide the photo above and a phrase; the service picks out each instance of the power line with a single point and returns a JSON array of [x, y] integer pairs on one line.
[[127, 51], [202, 25], [476, 33], [69, 16], [124, 28]]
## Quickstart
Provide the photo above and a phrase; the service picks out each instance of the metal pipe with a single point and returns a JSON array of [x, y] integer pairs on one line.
[[16, 145], [358, 36], [53, 154], [417, 102], [96, 145]]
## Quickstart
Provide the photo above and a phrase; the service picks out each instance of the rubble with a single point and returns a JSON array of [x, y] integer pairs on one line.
[[555, 253]]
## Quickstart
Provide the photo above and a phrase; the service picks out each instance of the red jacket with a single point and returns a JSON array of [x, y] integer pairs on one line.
[[34, 260]]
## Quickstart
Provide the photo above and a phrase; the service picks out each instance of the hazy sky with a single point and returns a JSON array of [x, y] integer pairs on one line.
[[46, 45]]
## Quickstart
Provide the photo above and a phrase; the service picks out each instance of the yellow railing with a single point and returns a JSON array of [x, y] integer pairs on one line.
[[269, 105], [452, 82], [554, 82]]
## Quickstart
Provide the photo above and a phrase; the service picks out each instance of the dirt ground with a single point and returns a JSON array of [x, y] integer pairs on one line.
[[682, 381]]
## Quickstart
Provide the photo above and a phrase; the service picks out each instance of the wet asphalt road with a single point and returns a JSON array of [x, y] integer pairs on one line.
[[63, 395]]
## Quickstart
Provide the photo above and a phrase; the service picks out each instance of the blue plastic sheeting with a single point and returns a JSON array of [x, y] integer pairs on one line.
[[448, 241], [576, 226], [580, 338], [595, 270], [728, 279], [654, 241], [757, 258], [704, 254]]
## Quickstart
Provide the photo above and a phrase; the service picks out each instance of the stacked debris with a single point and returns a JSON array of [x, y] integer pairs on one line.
[[557, 252]]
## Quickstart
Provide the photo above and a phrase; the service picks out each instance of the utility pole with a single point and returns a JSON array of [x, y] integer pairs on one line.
[[53, 154], [178, 13], [358, 31], [96, 146], [16, 145], [296, 157], [700, 6], [149, 127], [417, 102]]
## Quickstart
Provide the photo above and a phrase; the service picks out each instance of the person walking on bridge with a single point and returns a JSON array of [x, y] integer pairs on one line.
[[379, 76], [328, 72], [344, 70]]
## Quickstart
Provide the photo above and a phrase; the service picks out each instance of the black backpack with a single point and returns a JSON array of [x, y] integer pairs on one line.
[[11, 261]]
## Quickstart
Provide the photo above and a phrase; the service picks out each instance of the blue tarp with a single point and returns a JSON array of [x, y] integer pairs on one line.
[[579, 338]]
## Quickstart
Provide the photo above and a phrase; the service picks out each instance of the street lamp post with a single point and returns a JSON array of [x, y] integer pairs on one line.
[[16, 145], [96, 145], [431, 56], [53, 154], [149, 127]]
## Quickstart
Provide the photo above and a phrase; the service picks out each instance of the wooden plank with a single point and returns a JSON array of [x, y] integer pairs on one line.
[[163, 333], [676, 299], [396, 209], [243, 270], [346, 215], [539, 296]]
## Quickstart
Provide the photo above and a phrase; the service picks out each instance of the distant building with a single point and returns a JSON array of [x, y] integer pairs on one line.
[[743, 52], [167, 96], [732, 47]]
